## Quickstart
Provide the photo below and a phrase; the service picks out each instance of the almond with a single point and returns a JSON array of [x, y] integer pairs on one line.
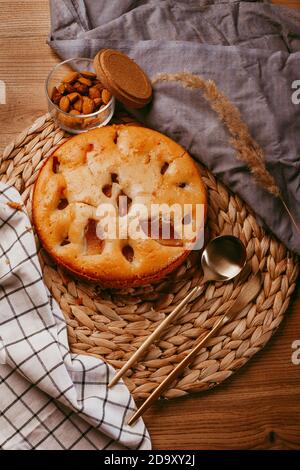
[[78, 105], [56, 96], [81, 88], [74, 112], [85, 81], [15, 205], [71, 77], [73, 97], [70, 121], [62, 88], [105, 113], [69, 88], [94, 93], [88, 122], [106, 96], [87, 105], [98, 84], [97, 102], [64, 104], [87, 74]]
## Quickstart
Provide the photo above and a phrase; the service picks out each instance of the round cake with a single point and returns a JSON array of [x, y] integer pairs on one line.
[[120, 205]]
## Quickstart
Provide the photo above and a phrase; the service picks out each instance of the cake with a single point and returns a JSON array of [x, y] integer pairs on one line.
[[93, 205]]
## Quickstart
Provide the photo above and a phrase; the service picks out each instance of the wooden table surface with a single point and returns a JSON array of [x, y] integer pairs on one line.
[[259, 407]]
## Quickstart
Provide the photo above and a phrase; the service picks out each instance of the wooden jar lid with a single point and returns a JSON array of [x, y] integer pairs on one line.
[[123, 78]]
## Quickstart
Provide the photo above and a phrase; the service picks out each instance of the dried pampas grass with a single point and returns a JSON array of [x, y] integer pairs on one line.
[[246, 147]]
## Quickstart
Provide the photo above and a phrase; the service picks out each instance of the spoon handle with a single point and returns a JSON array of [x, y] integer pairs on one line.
[[163, 385], [248, 293], [156, 334]]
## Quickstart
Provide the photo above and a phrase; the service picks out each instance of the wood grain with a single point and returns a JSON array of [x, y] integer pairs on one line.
[[287, 3], [256, 408]]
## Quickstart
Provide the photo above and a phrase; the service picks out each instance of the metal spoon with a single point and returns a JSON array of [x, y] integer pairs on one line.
[[222, 260]]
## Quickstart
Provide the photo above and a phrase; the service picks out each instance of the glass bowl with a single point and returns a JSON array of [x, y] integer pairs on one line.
[[75, 124]]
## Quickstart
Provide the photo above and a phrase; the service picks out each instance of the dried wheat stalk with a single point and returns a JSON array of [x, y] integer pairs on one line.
[[247, 148]]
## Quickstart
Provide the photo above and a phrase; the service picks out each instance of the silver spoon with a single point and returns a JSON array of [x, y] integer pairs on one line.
[[223, 259]]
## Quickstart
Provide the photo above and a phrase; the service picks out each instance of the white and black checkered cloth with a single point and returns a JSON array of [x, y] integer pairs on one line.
[[49, 398]]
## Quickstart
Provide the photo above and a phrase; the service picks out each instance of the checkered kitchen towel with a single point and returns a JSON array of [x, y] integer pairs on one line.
[[49, 398]]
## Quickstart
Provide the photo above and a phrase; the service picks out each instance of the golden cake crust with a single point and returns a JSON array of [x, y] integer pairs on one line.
[[96, 168]]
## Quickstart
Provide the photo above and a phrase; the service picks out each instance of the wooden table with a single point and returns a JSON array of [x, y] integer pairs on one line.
[[259, 407]]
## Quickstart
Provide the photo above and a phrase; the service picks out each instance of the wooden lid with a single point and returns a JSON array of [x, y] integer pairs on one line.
[[123, 78]]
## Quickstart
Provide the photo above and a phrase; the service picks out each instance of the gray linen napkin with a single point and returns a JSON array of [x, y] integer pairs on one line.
[[249, 48]]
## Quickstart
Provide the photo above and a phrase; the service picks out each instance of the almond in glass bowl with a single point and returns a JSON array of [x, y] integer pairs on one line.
[[77, 100]]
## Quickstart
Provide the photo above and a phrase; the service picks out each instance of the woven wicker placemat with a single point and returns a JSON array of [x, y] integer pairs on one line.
[[112, 324]]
